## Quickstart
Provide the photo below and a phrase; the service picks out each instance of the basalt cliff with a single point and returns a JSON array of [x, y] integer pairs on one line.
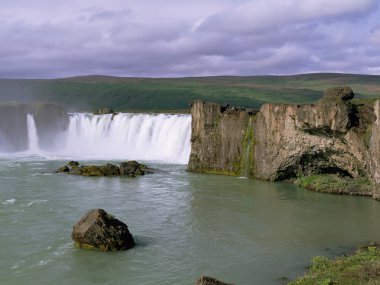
[[290, 142]]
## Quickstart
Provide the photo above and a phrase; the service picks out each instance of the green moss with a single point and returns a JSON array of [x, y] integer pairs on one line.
[[91, 247], [329, 183], [363, 268], [367, 134], [246, 161], [84, 246], [218, 172]]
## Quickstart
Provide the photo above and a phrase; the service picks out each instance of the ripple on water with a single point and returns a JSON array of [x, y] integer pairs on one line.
[[35, 202]]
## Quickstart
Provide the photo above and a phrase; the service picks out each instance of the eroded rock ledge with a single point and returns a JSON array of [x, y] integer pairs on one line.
[[285, 142]]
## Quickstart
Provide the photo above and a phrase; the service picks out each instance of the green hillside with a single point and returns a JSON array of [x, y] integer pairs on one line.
[[87, 93]]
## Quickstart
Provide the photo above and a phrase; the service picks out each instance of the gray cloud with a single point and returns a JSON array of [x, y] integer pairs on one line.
[[188, 38]]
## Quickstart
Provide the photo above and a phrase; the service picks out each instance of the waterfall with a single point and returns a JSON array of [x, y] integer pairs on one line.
[[159, 137], [124, 136], [32, 134]]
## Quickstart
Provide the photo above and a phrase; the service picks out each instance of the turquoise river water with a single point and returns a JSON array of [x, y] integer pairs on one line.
[[185, 225]]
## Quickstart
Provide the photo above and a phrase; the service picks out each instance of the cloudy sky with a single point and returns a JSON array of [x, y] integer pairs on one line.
[[171, 38]]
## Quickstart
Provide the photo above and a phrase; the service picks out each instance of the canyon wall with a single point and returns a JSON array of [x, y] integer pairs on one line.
[[285, 142]]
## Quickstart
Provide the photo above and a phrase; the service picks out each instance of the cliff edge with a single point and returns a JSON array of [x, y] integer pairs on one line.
[[288, 142]]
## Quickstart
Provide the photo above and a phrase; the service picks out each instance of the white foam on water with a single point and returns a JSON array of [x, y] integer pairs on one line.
[[9, 202]]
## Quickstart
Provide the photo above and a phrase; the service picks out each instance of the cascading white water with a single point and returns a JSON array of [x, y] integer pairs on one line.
[[159, 137], [32, 134], [123, 136]]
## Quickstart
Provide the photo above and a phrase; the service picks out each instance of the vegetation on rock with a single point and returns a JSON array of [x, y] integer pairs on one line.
[[335, 184]]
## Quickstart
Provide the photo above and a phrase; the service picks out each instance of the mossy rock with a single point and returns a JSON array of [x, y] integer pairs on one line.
[[102, 231], [133, 168]]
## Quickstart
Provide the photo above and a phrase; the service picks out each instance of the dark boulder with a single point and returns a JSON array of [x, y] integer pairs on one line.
[[100, 230], [73, 163], [133, 168], [63, 169], [205, 280], [339, 93]]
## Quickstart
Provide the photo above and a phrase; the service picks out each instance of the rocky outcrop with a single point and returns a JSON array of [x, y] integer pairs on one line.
[[130, 168], [218, 134], [205, 280], [49, 120], [285, 142], [100, 230], [104, 111]]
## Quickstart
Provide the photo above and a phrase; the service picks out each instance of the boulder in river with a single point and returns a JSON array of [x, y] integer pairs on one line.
[[205, 280], [73, 167], [133, 168], [100, 230]]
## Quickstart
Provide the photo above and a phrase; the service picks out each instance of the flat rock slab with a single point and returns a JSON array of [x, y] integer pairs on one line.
[[102, 231]]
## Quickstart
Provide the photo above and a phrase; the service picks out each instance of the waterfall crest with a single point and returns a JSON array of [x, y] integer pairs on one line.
[[124, 136], [159, 137]]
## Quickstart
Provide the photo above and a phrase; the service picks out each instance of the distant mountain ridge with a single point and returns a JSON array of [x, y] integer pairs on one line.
[[87, 93]]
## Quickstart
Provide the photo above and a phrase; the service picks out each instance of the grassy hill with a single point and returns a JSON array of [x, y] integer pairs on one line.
[[86, 93]]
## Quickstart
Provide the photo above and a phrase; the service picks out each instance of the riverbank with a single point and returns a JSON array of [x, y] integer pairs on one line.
[[362, 267]]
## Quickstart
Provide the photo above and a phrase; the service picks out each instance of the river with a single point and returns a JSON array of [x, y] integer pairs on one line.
[[185, 225]]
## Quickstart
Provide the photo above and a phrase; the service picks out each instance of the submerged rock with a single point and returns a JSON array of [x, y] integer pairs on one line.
[[205, 280], [100, 230]]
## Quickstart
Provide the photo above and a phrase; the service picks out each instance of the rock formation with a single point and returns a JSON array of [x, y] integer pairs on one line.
[[99, 230], [131, 168], [285, 142], [205, 280], [104, 111], [218, 136]]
